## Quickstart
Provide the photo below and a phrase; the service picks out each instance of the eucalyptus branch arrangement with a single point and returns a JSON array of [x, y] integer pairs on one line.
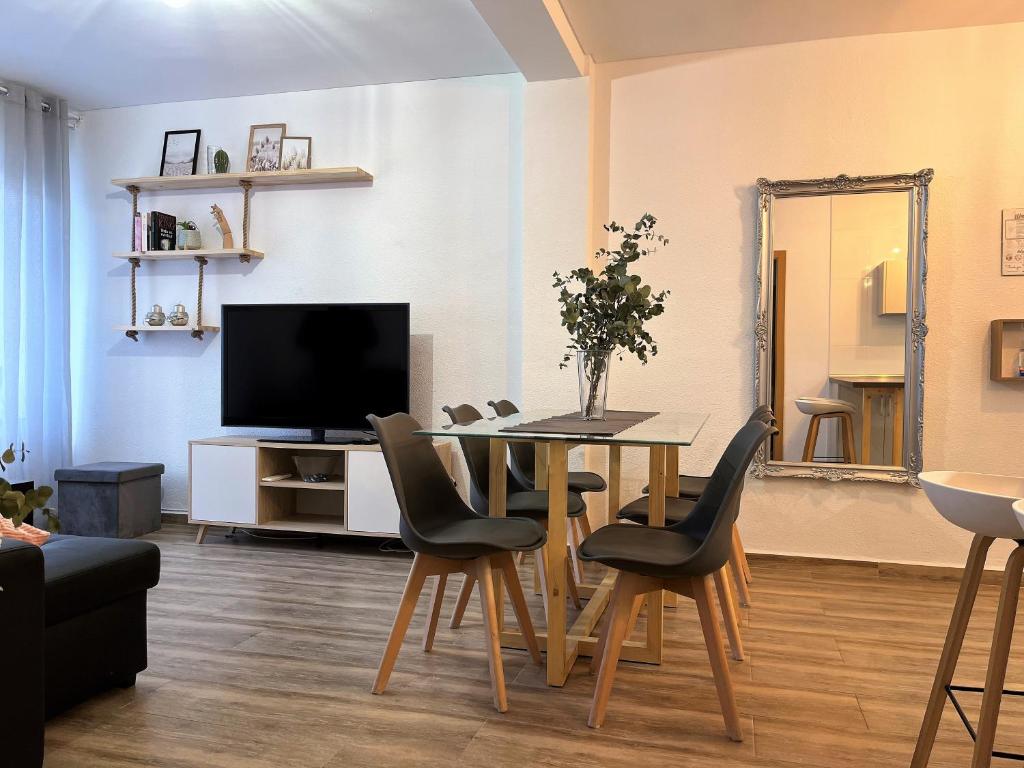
[[15, 505], [605, 312]]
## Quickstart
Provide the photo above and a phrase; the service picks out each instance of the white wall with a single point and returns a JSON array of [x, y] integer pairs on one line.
[[439, 228], [689, 137]]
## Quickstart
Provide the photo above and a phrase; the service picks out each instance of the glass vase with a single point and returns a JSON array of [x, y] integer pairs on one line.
[[593, 370]]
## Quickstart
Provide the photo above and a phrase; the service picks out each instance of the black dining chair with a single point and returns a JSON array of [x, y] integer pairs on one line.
[[681, 558], [690, 488], [524, 464], [449, 537], [518, 501]]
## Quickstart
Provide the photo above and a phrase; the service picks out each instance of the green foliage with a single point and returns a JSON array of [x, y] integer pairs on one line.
[[607, 310], [17, 506], [220, 161], [187, 224]]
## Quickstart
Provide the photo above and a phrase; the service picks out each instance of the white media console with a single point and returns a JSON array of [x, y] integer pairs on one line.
[[249, 483]]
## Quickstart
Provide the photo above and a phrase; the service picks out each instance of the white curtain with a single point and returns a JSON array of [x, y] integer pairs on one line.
[[35, 390]]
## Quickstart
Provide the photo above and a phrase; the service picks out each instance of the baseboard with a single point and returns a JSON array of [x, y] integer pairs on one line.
[[881, 568], [173, 517]]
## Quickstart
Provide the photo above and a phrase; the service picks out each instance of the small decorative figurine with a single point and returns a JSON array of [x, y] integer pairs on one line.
[[179, 316], [222, 225], [156, 315]]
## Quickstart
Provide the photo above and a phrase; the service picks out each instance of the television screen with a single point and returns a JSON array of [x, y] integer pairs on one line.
[[315, 366]]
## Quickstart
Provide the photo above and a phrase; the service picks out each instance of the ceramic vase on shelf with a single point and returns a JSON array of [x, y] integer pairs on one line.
[[156, 315], [178, 315], [593, 372], [189, 239]]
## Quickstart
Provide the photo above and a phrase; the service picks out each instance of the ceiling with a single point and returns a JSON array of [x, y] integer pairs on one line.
[[616, 30], [111, 53]]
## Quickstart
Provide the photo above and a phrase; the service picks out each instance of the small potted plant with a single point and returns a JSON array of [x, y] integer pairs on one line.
[[17, 505], [189, 238], [605, 312]]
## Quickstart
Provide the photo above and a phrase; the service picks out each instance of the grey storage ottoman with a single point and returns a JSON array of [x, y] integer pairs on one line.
[[113, 499]]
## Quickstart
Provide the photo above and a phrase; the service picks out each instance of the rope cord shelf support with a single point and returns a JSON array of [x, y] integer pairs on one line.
[[197, 332], [134, 261], [246, 188]]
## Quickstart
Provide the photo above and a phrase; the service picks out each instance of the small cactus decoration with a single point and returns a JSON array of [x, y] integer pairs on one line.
[[220, 161]]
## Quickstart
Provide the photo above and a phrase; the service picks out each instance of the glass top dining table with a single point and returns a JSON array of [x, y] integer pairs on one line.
[[661, 435], [664, 428]]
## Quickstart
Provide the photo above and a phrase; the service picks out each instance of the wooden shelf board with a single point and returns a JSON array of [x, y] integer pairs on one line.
[[213, 253], [346, 175], [183, 328], [298, 482], [308, 524]]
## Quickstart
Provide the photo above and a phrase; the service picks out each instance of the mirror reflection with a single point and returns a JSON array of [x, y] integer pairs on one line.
[[839, 326]]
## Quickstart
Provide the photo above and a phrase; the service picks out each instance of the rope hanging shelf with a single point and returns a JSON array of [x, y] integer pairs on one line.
[[245, 254]]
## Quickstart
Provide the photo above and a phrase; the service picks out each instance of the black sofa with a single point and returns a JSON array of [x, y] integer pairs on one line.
[[72, 624]]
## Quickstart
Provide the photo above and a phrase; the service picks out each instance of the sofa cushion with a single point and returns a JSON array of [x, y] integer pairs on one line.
[[84, 573], [24, 532]]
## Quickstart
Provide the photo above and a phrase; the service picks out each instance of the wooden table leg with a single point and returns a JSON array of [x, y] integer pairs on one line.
[[614, 482], [497, 492], [559, 655], [951, 649], [540, 482], [656, 517], [897, 427], [865, 427], [672, 491]]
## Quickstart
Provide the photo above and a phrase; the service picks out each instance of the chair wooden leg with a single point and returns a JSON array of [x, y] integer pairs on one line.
[[995, 678], [576, 537], [737, 543], [585, 526], [540, 564], [413, 587], [519, 557], [485, 581], [522, 611], [463, 600], [634, 615], [434, 611], [716, 654], [725, 600], [570, 582], [621, 604], [973, 572], [849, 444], [812, 438], [741, 584]]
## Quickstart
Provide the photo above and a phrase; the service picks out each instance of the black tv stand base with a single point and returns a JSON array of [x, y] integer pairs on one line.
[[319, 437]]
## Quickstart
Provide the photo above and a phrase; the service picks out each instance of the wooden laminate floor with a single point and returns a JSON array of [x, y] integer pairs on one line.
[[261, 655]]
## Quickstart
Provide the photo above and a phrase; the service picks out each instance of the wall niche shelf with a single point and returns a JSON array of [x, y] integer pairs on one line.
[[1007, 340], [243, 254], [243, 181]]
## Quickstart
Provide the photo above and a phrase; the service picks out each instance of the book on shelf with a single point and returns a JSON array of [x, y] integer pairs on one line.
[[137, 241], [161, 232]]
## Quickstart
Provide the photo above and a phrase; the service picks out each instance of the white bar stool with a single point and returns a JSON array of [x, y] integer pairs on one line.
[[989, 507], [819, 408]]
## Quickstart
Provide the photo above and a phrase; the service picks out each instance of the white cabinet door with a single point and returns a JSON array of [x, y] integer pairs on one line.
[[223, 484], [372, 507]]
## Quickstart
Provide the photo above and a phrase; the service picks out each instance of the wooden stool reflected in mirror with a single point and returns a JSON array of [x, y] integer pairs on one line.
[[819, 408]]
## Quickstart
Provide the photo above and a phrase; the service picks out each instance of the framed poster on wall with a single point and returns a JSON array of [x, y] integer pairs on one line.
[[1012, 253]]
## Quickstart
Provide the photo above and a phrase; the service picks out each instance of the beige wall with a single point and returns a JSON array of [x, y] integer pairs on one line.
[[689, 135]]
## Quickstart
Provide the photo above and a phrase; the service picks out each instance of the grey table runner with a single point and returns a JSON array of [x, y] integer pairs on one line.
[[572, 424]]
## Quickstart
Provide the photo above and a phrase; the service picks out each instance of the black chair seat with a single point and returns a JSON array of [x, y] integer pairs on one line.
[[690, 486], [478, 536], [658, 552], [586, 482], [534, 504], [676, 510]]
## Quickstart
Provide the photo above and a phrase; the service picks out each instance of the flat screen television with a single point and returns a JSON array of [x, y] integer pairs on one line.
[[313, 366]]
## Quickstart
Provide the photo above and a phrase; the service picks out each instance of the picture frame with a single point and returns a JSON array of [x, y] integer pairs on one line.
[[181, 153], [296, 153], [264, 149]]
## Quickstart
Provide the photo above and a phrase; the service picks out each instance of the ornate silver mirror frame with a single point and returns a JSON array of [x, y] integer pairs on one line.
[[913, 425]]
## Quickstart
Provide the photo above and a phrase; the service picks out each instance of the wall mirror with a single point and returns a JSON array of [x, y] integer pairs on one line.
[[840, 325]]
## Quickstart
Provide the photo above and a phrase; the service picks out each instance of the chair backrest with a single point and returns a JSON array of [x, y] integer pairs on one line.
[[716, 510], [522, 453], [427, 497], [763, 413], [477, 452]]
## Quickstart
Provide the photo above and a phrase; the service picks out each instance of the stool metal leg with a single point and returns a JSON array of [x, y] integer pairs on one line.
[[951, 649]]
